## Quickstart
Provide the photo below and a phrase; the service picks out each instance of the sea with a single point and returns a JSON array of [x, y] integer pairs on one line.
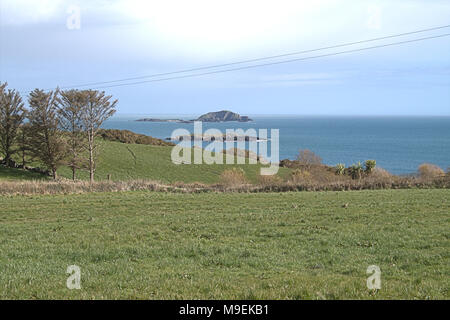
[[398, 144]]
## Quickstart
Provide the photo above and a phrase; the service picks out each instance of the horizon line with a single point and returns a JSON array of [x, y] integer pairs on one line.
[[289, 114]]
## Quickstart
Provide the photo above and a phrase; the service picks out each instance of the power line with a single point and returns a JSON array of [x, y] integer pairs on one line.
[[275, 63], [253, 60]]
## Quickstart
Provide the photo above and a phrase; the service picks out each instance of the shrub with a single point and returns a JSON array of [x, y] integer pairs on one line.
[[429, 171], [340, 169], [380, 178], [381, 173], [369, 166], [308, 158], [233, 177], [301, 176], [292, 164]]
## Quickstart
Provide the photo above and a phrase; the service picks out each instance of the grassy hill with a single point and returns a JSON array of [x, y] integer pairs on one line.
[[125, 161], [152, 245], [136, 161]]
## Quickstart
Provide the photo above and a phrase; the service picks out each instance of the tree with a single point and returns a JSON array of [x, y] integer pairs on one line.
[[97, 110], [24, 143], [12, 113], [70, 108], [356, 170], [46, 141], [369, 165], [340, 169], [430, 171]]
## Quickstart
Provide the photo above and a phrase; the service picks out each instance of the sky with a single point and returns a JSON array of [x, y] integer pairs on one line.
[[50, 43]]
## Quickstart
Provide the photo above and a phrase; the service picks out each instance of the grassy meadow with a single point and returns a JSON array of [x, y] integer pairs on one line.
[[294, 245], [138, 161], [12, 174], [208, 244]]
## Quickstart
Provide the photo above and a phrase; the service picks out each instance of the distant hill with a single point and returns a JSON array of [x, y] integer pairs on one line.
[[223, 115], [126, 136], [219, 116], [164, 120]]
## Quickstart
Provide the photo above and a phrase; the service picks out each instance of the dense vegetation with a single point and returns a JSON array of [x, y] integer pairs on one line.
[[126, 136], [151, 245]]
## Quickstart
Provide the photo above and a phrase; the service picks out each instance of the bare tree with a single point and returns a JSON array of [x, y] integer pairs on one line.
[[97, 110], [12, 113], [47, 142], [70, 108], [308, 158]]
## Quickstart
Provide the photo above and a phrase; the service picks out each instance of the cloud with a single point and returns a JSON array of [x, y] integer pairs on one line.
[[20, 12], [210, 31]]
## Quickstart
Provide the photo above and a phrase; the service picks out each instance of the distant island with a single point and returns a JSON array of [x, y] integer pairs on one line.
[[219, 116], [164, 120], [222, 116]]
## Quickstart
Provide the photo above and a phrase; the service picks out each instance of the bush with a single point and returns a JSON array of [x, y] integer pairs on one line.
[[369, 166], [299, 176], [308, 158], [291, 164], [429, 171], [233, 177], [381, 173]]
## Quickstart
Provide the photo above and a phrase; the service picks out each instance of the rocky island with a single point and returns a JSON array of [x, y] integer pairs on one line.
[[219, 116], [222, 116]]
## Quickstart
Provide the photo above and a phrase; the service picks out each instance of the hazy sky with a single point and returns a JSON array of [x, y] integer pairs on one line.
[[42, 46]]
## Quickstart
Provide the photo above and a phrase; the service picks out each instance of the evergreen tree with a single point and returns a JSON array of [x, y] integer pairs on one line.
[[12, 113], [46, 140]]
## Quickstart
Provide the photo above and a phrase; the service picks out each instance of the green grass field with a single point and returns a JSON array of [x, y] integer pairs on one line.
[[10, 174], [149, 245], [137, 161]]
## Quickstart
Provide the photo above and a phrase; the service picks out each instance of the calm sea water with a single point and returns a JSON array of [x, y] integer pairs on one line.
[[398, 144]]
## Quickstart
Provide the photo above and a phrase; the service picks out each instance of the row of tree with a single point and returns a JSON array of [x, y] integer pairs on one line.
[[58, 127]]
